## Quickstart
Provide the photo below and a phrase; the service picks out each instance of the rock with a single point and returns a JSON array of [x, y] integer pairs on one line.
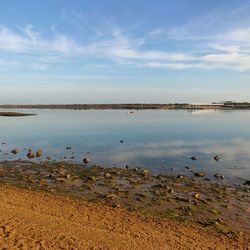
[[216, 158], [48, 158], [107, 175], [183, 199], [39, 153], [15, 151], [51, 177], [30, 155], [218, 176], [86, 160], [181, 176], [145, 172], [200, 174], [121, 141], [196, 195], [68, 148], [91, 178], [193, 158], [187, 167], [111, 196], [247, 183], [67, 176]]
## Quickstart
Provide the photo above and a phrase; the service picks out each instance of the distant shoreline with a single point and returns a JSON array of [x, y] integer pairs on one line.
[[136, 106], [14, 114]]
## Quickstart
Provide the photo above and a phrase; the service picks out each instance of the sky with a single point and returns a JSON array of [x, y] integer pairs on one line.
[[117, 51]]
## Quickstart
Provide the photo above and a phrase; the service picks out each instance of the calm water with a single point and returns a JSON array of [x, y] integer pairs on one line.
[[162, 141]]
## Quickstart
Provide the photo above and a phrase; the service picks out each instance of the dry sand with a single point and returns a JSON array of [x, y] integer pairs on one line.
[[36, 220]]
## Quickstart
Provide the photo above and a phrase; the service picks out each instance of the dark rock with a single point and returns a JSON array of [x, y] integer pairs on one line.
[[193, 158], [200, 174], [218, 176], [15, 151], [86, 160], [30, 155], [247, 183], [216, 158]]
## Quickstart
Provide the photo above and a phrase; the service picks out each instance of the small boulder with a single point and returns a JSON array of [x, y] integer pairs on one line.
[[216, 158], [193, 158], [86, 160], [145, 173], [107, 175], [200, 174], [39, 153], [218, 176], [247, 183], [15, 151], [30, 155]]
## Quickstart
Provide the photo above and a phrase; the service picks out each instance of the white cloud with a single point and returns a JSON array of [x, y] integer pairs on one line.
[[123, 49], [240, 35]]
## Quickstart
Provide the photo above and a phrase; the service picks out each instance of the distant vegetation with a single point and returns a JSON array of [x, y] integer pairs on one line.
[[224, 105]]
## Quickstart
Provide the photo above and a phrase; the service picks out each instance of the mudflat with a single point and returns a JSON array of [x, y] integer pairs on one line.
[[14, 114], [37, 220]]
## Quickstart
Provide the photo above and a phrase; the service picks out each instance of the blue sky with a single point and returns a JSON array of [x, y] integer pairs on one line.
[[96, 51]]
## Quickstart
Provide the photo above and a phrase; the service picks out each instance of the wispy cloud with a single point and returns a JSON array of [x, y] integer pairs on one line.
[[118, 46]]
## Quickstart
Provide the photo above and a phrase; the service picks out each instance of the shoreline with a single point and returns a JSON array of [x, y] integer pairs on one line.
[[131, 106], [39, 220], [191, 201]]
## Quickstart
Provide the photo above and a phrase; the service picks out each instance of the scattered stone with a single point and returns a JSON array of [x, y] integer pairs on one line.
[[39, 153], [111, 196], [183, 199], [15, 151], [181, 176], [218, 176], [193, 158], [187, 167], [48, 158], [145, 172], [86, 160], [67, 176], [30, 155], [107, 175], [121, 141], [196, 195], [216, 158], [247, 183], [91, 178], [200, 174], [68, 148]]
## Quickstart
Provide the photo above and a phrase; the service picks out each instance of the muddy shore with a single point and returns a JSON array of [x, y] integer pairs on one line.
[[191, 201]]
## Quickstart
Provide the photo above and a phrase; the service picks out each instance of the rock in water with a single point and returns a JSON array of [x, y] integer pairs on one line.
[[39, 153], [193, 158], [216, 158], [86, 160], [15, 151], [200, 174], [30, 155]]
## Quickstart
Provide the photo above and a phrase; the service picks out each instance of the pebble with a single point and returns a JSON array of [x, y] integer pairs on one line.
[[86, 160]]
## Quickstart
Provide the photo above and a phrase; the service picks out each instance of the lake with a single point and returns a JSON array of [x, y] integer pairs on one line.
[[160, 140]]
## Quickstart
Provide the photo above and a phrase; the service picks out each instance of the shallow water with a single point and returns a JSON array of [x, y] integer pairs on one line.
[[160, 140]]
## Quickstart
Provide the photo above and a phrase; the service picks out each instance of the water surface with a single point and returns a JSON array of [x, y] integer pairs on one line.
[[160, 140]]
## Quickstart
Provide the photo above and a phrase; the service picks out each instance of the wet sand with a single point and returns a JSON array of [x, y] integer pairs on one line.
[[36, 220]]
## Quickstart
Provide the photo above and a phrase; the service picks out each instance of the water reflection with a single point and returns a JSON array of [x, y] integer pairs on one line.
[[159, 140]]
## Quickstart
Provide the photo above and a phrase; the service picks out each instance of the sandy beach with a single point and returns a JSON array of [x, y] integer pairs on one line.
[[35, 220]]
